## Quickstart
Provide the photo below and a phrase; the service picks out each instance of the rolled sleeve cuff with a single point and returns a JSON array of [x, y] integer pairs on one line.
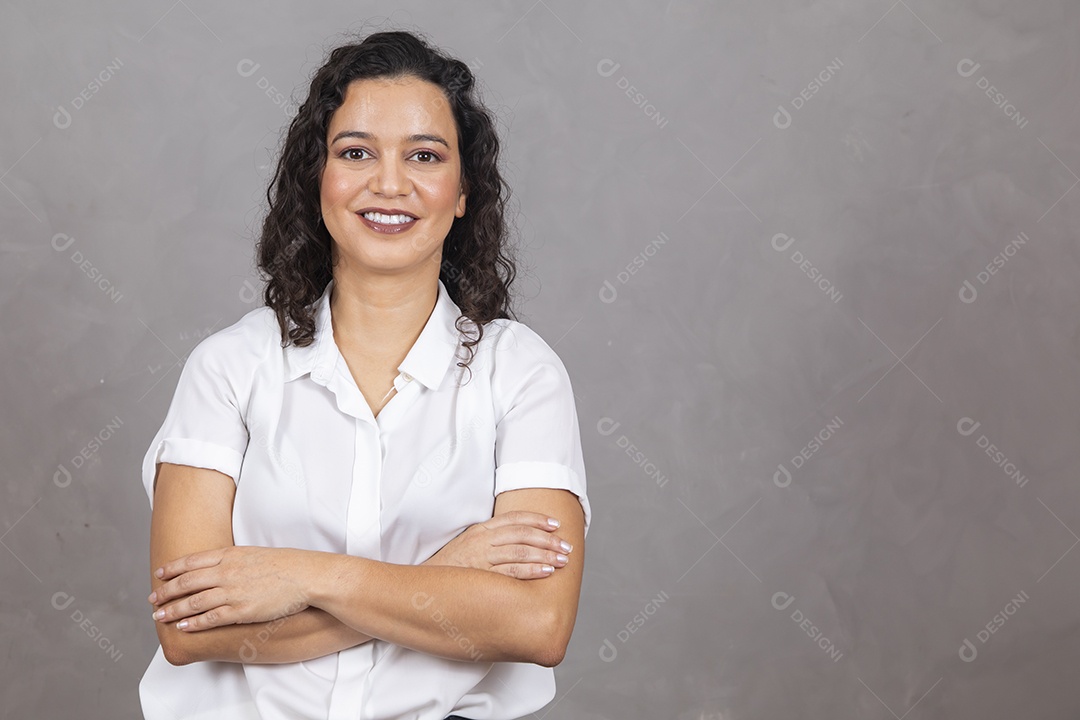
[[199, 453], [536, 474]]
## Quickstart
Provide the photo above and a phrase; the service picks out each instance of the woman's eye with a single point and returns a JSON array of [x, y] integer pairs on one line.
[[426, 157]]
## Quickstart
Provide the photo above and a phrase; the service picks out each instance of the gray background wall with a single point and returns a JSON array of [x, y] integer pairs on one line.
[[809, 271]]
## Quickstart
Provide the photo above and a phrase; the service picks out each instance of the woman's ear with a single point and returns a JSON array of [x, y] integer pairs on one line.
[[462, 194]]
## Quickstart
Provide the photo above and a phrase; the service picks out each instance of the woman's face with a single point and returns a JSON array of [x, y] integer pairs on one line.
[[392, 146]]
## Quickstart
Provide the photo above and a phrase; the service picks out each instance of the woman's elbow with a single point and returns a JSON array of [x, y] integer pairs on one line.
[[554, 640], [175, 656], [173, 646], [551, 657]]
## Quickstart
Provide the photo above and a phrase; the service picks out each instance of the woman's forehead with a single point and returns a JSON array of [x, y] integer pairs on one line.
[[393, 109]]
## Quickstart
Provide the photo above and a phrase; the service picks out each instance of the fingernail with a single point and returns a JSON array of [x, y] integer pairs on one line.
[[553, 522], [153, 596], [159, 614], [567, 547], [562, 558], [548, 569], [159, 572], [182, 624]]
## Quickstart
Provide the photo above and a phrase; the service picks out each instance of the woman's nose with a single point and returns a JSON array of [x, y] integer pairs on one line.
[[389, 177]]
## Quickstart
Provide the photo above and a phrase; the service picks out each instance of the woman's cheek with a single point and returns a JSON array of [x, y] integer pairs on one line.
[[336, 186]]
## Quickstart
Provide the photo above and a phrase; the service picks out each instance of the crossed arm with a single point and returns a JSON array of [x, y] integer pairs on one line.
[[462, 613]]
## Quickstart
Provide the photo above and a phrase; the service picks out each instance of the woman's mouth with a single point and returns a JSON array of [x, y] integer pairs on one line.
[[387, 224]]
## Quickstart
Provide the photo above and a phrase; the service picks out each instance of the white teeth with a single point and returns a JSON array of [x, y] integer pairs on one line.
[[387, 219]]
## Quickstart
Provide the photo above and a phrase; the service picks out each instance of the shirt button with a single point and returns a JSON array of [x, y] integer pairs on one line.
[[406, 376]]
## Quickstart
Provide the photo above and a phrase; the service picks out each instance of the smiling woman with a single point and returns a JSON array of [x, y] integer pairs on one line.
[[368, 496], [391, 183]]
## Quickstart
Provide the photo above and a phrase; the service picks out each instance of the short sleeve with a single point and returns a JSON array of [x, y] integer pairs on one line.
[[204, 426], [537, 439]]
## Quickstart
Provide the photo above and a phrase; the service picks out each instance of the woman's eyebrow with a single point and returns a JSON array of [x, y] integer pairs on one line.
[[419, 137]]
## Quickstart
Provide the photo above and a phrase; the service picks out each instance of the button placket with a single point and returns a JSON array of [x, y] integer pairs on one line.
[[402, 380], [363, 532], [408, 390]]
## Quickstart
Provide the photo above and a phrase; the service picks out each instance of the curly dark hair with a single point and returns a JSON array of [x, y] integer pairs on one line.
[[294, 249]]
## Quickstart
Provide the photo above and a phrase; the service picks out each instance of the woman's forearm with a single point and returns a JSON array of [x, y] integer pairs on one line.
[[453, 612], [308, 634]]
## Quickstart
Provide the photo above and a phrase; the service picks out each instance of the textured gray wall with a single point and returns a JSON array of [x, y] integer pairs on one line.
[[809, 266]]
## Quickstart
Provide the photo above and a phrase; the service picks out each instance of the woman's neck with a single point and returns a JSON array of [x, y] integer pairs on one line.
[[379, 317]]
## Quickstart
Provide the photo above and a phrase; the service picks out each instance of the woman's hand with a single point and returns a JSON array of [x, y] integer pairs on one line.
[[231, 585], [518, 544], [248, 584]]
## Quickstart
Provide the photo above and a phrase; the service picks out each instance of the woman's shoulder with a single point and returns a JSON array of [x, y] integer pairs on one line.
[[504, 334], [524, 370], [237, 350], [512, 347]]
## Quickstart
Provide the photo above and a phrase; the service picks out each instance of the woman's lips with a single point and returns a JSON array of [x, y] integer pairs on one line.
[[384, 228]]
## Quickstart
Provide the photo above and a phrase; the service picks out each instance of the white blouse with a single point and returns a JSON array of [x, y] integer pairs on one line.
[[316, 470]]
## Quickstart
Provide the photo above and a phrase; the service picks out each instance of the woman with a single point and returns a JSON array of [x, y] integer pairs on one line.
[[352, 487]]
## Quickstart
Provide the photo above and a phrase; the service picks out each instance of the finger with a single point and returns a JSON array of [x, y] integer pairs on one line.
[[522, 535], [186, 583], [190, 606], [524, 571], [219, 616], [194, 561], [516, 554], [520, 517]]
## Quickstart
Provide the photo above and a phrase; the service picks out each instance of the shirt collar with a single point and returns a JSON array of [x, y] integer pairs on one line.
[[427, 360]]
